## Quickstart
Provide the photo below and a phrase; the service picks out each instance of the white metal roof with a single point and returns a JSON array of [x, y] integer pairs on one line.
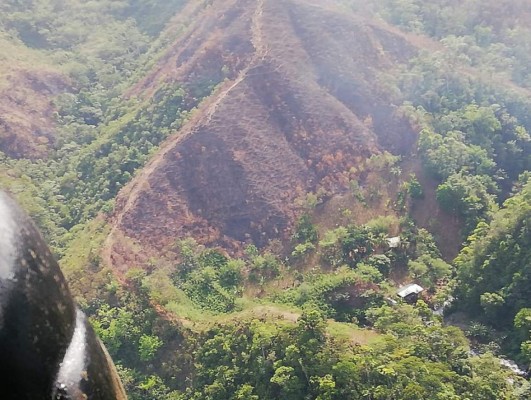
[[410, 289]]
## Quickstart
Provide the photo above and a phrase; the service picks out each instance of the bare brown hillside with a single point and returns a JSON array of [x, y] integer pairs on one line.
[[26, 112], [301, 102]]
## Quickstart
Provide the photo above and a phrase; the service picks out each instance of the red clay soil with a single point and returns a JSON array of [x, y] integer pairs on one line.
[[26, 112], [288, 119]]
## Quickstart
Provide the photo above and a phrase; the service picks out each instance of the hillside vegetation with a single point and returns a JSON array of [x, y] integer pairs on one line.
[[237, 189]]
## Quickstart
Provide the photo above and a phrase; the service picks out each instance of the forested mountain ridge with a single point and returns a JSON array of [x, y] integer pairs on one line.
[[52, 47], [236, 189]]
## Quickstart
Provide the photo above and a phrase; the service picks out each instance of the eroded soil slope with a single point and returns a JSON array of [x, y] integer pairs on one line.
[[27, 112], [298, 105]]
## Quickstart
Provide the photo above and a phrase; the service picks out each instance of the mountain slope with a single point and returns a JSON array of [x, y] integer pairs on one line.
[[241, 122], [292, 115], [28, 83]]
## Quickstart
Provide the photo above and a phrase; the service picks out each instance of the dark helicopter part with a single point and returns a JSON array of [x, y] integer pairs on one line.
[[47, 348]]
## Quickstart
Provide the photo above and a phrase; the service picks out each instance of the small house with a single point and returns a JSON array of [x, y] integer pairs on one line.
[[410, 293]]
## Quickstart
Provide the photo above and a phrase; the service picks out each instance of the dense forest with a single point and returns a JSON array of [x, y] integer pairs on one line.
[[314, 313]]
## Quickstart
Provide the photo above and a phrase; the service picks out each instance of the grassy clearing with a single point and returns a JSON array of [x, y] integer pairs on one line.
[[181, 309], [352, 333]]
